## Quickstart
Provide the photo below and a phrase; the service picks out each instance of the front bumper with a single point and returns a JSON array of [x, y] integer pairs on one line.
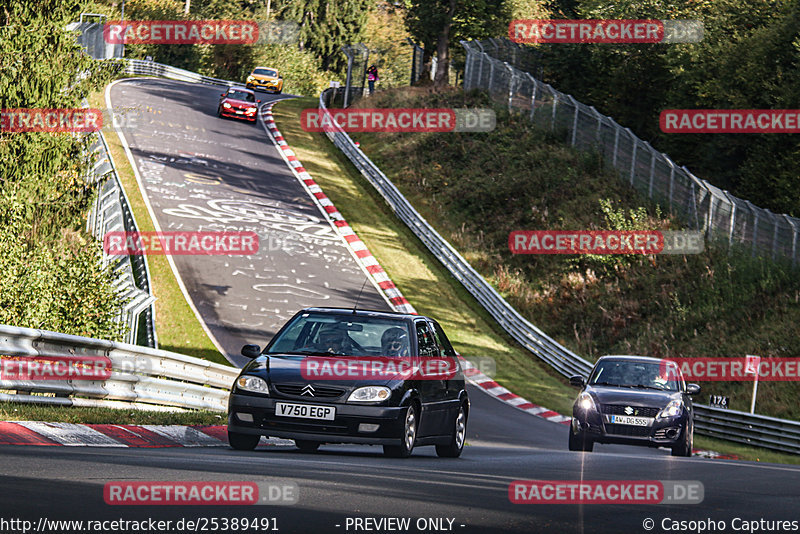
[[597, 427], [266, 86], [343, 429], [231, 113]]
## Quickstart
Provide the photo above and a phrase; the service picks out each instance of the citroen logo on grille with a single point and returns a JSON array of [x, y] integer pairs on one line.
[[308, 390], [628, 410]]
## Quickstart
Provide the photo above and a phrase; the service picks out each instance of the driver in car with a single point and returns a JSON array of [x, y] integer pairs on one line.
[[394, 342], [332, 339]]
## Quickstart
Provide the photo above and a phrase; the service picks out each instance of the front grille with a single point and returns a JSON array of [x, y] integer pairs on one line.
[[638, 411], [320, 392], [627, 430], [321, 427]]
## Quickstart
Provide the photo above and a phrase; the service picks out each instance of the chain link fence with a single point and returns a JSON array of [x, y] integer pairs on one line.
[[503, 68]]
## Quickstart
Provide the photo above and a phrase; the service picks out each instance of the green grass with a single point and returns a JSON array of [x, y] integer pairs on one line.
[[11, 411]]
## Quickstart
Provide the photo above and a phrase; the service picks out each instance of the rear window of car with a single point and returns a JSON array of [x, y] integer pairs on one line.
[[266, 72], [241, 95]]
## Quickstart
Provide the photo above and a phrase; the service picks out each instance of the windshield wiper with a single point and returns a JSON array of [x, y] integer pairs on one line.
[[306, 353]]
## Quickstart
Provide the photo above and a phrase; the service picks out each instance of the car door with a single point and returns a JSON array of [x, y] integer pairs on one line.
[[432, 389], [455, 382]]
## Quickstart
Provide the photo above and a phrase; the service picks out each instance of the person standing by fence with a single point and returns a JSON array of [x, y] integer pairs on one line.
[[372, 77]]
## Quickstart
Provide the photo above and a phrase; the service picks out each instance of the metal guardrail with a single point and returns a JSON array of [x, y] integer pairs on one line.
[[150, 68], [777, 434], [112, 213], [141, 376], [701, 204]]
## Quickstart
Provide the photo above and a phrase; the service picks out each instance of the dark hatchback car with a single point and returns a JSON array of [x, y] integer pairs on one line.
[[333, 375], [238, 103], [633, 400]]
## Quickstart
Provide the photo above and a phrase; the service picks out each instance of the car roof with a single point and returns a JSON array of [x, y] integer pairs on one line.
[[626, 357], [237, 88], [362, 312], [262, 67]]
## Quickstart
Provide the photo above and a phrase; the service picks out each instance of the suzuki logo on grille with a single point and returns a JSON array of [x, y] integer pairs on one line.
[[628, 410], [308, 390]]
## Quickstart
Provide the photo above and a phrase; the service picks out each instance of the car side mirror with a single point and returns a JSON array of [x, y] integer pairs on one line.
[[577, 381], [692, 389], [258, 101], [222, 94], [251, 351]]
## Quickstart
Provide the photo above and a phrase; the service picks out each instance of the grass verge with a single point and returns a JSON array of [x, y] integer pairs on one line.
[[13, 411]]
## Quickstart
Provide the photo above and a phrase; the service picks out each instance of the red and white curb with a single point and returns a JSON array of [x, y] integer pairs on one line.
[[150, 436], [359, 249]]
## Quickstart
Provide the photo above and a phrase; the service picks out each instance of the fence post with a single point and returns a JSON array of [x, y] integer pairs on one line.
[[755, 227], [652, 169], [710, 217], [794, 238], [510, 84], [671, 178], [616, 144], [732, 222], [574, 120], [533, 94], [555, 104], [480, 65], [491, 74], [774, 234], [633, 156]]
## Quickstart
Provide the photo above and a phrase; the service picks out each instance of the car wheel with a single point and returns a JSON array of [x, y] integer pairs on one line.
[[279, 91], [684, 448], [408, 438], [306, 445], [243, 442], [456, 445], [579, 442]]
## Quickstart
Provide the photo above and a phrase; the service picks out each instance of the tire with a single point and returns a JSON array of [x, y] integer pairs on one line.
[[456, 445], [279, 91], [307, 446], [409, 435], [684, 448], [578, 442], [243, 442]]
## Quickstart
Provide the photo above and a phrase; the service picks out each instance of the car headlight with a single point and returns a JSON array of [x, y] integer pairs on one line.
[[370, 394], [253, 384], [672, 409], [585, 402], [252, 110], [250, 78], [226, 105]]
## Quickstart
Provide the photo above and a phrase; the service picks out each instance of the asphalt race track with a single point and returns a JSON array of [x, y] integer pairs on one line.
[[202, 172]]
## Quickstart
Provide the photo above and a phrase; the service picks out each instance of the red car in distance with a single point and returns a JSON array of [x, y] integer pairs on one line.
[[238, 103]]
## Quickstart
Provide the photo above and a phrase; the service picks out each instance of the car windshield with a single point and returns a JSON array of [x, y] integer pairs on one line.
[[343, 334], [266, 72], [241, 95], [636, 374]]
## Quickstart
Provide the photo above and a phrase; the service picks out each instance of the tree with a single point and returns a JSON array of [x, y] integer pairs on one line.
[[438, 23], [327, 25]]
